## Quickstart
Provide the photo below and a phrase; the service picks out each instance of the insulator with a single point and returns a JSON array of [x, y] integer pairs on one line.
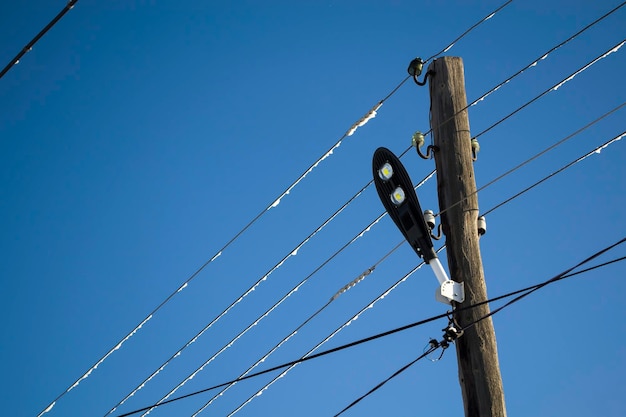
[[482, 225], [418, 139], [415, 67], [429, 217]]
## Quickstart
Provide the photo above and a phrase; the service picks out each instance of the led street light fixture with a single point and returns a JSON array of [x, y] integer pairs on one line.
[[398, 196], [400, 200]]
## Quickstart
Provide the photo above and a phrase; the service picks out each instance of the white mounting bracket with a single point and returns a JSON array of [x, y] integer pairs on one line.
[[448, 290]]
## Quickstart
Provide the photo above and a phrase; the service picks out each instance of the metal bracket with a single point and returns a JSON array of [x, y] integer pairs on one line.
[[450, 291]]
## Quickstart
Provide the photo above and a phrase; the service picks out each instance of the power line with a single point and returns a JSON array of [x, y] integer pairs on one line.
[[334, 333], [526, 292], [545, 54], [564, 275], [537, 155], [556, 278], [562, 141], [118, 345], [310, 355], [533, 63], [489, 16], [29, 46], [451, 44], [428, 351], [268, 311], [588, 154], [297, 329], [264, 357], [361, 122], [252, 288], [597, 149], [292, 252], [557, 85]]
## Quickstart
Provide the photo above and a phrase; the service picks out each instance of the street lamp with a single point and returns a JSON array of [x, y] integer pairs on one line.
[[398, 196]]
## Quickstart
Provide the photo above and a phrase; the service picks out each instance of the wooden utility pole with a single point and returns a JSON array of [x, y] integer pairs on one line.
[[477, 355]]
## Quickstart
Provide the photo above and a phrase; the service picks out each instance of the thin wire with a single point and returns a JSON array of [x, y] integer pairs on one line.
[[557, 85], [267, 312], [70, 5], [526, 293], [310, 355], [391, 332], [489, 16], [263, 358], [336, 145], [545, 54], [240, 298], [24, 51], [561, 84], [510, 171], [184, 285], [333, 334], [597, 149], [395, 374], [348, 133], [569, 275], [447, 48], [11, 64], [297, 329]]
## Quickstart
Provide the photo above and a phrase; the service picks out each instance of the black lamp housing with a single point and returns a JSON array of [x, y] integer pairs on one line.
[[407, 215]]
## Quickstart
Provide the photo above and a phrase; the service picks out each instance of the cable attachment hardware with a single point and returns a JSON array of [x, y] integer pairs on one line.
[[451, 333], [429, 217], [415, 70], [475, 149], [417, 140], [433, 345]]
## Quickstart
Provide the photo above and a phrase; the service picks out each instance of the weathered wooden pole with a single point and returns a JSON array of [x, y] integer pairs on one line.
[[477, 355]]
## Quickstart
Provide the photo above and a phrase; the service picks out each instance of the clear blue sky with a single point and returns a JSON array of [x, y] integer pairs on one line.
[[138, 137]]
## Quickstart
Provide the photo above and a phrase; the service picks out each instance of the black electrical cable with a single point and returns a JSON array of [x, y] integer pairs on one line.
[[564, 275], [430, 350], [29, 45], [334, 333], [295, 362], [550, 281], [264, 357], [526, 292]]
